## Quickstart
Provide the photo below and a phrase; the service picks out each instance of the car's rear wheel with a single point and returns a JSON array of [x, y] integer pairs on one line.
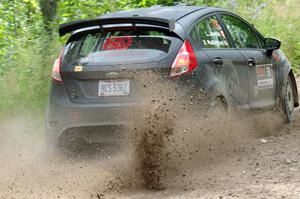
[[288, 101]]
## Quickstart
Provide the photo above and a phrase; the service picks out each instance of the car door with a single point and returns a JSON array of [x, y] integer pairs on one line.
[[259, 66], [225, 65]]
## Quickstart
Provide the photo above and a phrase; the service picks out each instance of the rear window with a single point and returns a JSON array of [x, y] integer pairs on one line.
[[106, 43]]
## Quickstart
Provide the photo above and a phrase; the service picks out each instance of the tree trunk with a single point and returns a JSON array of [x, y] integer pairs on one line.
[[48, 8]]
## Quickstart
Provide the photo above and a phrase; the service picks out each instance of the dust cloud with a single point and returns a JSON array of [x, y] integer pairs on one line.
[[167, 142]]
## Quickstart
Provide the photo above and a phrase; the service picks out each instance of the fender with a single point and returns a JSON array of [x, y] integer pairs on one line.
[[284, 69], [295, 89]]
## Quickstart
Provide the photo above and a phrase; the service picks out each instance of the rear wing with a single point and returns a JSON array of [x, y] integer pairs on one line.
[[72, 26]]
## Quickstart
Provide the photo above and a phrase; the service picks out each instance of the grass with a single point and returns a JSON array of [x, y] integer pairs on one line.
[[25, 67], [25, 81]]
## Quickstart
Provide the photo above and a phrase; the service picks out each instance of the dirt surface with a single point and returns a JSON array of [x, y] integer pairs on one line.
[[207, 156], [248, 167]]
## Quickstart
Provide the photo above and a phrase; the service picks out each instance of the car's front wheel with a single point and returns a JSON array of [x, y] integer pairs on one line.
[[288, 101]]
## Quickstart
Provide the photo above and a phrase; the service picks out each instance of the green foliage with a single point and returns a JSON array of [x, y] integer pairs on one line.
[[275, 18], [77, 9], [25, 79], [16, 19], [27, 51]]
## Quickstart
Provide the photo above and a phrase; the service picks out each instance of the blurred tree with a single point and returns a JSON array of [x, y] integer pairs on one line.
[[48, 9], [27, 53]]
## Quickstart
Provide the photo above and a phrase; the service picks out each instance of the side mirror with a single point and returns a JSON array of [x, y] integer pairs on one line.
[[271, 45]]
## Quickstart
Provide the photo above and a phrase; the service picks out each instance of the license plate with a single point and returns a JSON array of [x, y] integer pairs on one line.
[[114, 88]]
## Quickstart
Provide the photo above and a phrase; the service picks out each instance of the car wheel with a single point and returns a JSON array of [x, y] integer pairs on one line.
[[288, 101]]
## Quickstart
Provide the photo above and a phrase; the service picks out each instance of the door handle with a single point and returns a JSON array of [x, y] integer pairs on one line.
[[251, 62], [218, 61]]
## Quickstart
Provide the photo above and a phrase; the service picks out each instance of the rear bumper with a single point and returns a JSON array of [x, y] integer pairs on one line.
[[63, 115]]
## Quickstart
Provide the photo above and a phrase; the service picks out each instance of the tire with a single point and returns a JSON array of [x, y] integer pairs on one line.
[[288, 101]]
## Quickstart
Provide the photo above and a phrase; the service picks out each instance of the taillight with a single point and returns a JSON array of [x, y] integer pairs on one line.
[[185, 61], [56, 69]]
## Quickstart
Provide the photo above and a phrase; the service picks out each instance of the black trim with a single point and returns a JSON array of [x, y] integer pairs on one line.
[[72, 26]]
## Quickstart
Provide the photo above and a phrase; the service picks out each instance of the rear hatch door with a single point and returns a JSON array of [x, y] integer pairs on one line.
[[116, 64]]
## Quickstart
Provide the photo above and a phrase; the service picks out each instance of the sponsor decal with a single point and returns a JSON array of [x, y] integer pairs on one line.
[[78, 68], [265, 82], [264, 76], [269, 72], [260, 71]]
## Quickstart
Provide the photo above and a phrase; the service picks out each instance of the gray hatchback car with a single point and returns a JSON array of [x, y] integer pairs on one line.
[[210, 49]]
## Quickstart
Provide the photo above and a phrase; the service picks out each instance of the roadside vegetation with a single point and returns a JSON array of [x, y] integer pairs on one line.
[[29, 42]]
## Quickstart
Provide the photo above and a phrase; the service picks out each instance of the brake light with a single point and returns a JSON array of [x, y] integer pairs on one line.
[[56, 69], [185, 61]]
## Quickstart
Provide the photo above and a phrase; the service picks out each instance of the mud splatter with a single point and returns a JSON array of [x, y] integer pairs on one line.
[[172, 146]]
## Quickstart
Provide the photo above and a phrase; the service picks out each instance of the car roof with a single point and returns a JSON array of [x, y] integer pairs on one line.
[[163, 12], [183, 15]]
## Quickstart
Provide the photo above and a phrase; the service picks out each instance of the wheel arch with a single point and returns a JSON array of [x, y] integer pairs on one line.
[[295, 89]]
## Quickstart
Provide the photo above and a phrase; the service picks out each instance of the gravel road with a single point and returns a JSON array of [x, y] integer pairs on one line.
[[257, 157]]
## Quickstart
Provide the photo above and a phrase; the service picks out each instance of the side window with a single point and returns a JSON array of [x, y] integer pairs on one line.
[[242, 34], [211, 33], [88, 44]]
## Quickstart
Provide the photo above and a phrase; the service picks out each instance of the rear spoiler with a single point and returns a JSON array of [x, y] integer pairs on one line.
[[72, 26]]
